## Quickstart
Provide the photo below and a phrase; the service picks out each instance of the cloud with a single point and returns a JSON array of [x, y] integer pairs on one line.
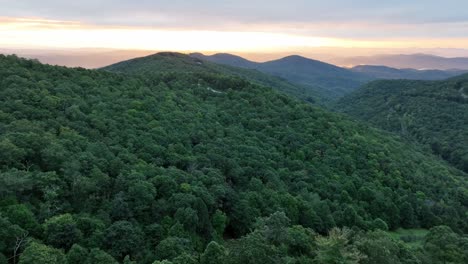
[[35, 32], [205, 12], [359, 22]]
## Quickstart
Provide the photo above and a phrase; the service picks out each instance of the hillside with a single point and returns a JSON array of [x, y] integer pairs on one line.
[[176, 62], [383, 72], [328, 80], [432, 113], [334, 81], [205, 168], [226, 59]]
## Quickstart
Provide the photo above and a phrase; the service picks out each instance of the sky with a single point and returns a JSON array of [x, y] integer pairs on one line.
[[243, 26]]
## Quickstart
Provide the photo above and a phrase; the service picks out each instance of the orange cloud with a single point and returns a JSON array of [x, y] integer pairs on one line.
[[38, 32]]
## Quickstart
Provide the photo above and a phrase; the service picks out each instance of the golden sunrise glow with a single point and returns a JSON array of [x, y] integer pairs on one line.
[[42, 33], [22, 32]]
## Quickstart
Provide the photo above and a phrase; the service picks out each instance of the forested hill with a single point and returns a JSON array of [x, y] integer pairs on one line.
[[433, 113], [97, 167], [328, 80], [178, 62]]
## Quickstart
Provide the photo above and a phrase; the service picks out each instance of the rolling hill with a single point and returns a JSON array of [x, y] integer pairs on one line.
[[328, 80], [196, 167], [171, 61], [226, 59], [303, 78], [434, 113]]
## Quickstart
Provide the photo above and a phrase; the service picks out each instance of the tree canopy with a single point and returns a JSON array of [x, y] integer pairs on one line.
[[434, 114], [197, 167]]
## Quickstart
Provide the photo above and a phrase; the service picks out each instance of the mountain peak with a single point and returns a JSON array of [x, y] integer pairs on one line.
[[295, 57], [169, 54]]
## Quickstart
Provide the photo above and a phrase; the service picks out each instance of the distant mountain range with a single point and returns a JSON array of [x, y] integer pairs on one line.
[[172, 61], [384, 72], [332, 80], [304, 78], [414, 61]]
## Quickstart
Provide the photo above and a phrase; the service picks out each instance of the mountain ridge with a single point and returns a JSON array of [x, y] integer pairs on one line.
[[174, 61], [332, 81], [414, 61], [300, 70], [385, 72]]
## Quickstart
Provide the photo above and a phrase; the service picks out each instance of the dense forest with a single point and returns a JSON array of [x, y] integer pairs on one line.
[[196, 167], [432, 113], [326, 80], [178, 62]]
